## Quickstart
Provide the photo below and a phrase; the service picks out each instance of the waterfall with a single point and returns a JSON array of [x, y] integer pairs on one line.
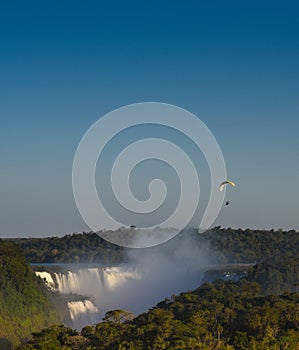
[[94, 288], [92, 291], [81, 280], [82, 312], [47, 277]]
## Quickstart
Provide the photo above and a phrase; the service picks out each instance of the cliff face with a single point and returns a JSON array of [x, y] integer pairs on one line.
[[24, 301]]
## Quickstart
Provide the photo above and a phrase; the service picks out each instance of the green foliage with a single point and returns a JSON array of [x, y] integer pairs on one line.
[[24, 302], [223, 246], [74, 248], [249, 246], [277, 275], [223, 315], [118, 316]]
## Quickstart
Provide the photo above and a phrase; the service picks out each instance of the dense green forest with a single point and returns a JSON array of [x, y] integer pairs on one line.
[[223, 246], [260, 311], [25, 303], [221, 315], [250, 246], [72, 248]]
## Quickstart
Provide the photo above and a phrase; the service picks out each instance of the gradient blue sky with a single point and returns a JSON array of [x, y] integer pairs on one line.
[[65, 64]]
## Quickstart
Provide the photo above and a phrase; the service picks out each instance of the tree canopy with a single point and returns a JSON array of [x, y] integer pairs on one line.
[[25, 303], [222, 315]]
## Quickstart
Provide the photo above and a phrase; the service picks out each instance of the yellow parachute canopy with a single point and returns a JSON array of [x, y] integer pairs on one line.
[[224, 183]]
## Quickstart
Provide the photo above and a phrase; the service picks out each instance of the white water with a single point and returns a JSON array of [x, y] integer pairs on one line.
[[81, 280], [83, 312], [152, 276], [108, 288], [47, 277], [97, 283]]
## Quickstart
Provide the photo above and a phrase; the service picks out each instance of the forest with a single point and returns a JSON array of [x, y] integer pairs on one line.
[[71, 248], [25, 303], [223, 245], [220, 315], [259, 311]]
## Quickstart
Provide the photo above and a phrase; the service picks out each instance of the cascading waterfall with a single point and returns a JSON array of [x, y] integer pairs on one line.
[[47, 277], [82, 312], [150, 278], [81, 280], [93, 286], [92, 291]]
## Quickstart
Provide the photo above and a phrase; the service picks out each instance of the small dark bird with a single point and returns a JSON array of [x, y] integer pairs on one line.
[[227, 203], [132, 226]]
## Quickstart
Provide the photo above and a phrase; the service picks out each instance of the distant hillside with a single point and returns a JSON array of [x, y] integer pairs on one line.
[[223, 246], [250, 246], [24, 301], [72, 248]]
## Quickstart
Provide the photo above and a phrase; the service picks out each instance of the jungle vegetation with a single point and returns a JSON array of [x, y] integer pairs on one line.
[[25, 304], [220, 315], [223, 245]]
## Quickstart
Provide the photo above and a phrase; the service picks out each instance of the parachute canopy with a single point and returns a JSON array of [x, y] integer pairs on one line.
[[224, 183]]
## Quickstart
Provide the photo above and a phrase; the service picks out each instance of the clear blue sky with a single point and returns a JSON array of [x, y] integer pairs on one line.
[[65, 64]]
